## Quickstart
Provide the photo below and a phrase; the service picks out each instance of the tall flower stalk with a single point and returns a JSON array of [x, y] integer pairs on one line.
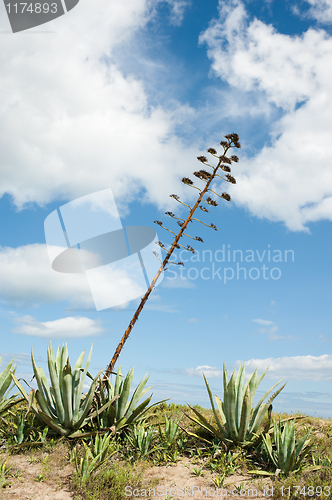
[[223, 164]]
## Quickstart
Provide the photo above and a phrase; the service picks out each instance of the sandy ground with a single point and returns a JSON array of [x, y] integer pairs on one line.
[[179, 482], [37, 476], [41, 476]]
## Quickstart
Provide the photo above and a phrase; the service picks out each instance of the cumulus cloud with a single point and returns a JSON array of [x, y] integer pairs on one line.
[[291, 179], [27, 278], [73, 123], [295, 367], [209, 371], [309, 367], [70, 327]]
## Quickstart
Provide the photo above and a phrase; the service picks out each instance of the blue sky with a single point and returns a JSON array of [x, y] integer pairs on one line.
[[126, 95]]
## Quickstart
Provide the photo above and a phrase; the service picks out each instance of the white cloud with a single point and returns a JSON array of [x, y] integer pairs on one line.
[[27, 278], [70, 327], [72, 123], [295, 367], [209, 371], [178, 8], [288, 367], [263, 321], [290, 180], [321, 10]]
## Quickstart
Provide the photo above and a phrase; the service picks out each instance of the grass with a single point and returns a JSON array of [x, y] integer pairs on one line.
[[127, 468]]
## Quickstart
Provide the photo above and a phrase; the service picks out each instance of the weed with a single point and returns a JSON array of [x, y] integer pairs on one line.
[[197, 471], [109, 483], [4, 472]]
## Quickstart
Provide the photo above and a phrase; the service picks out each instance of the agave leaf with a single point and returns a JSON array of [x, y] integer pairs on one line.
[[80, 434], [289, 443], [289, 462], [111, 414], [53, 424], [67, 395], [245, 416], [64, 356], [239, 394], [257, 382], [104, 407], [301, 456], [41, 398], [218, 422], [79, 362], [85, 407], [81, 385], [259, 412], [78, 381], [125, 393], [75, 384], [252, 382], [200, 438], [143, 406], [75, 392], [46, 391], [267, 393], [58, 358], [22, 391], [41, 402], [138, 393], [38, 372], [10, 402], [302, 444], [202, 422], [117, 387], [55, 381], [268, 447], [5, 379], [230, 410], [219, 404], [137, 411]]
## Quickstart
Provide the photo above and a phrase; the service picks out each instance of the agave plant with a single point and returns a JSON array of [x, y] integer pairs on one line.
[[141, 439], [62, 406], [93, 457], [102, 446], [237, 422], [289, 454], [171, 433], [6, 386], [123, 412]]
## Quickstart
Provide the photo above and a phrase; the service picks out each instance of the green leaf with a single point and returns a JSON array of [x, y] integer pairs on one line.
[[245, 416], [81, 384], [122, 402], [218, 422], [55, 381], [67, 395]]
